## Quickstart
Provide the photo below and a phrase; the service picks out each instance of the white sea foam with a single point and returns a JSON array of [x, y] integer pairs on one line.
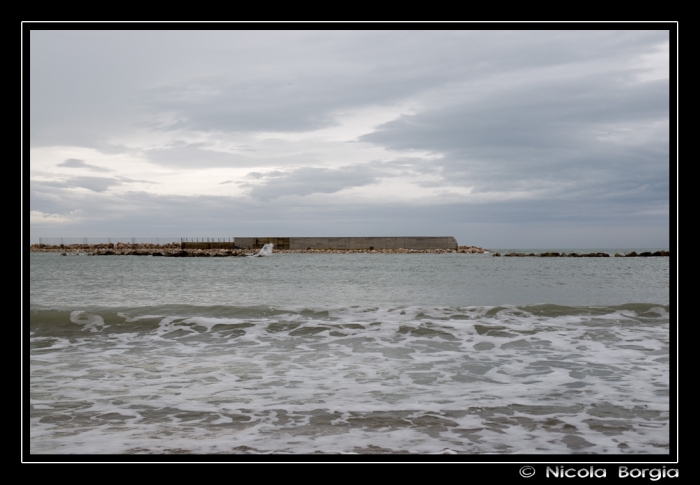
[[408, 379], [89, 321]]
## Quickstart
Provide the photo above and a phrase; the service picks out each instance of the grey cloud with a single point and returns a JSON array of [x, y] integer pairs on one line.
[[112, 148], [266, 175], [305, 181], [547, 115], [273, 80], [129, 180], [72, 162], [348, 70], [411, 166], [96, 184], [505, 224], [49, 197], [568, 134], [193, 156], [75, 163]]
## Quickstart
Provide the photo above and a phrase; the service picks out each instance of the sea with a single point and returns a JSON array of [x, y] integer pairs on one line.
[[350, 354]]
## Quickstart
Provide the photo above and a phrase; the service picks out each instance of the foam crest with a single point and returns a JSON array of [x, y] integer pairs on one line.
[[89, 321], [363, 379]]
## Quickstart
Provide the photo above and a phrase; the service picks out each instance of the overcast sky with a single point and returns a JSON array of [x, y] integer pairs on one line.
[[515, 138]]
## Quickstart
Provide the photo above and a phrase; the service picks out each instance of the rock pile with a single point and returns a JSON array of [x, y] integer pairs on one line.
[[174, 250], [583, 255]]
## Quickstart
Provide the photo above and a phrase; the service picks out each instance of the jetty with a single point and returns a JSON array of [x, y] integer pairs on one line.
[[343, 243], [247, 246]]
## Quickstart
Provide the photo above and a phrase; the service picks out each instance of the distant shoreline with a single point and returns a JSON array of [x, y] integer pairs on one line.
[[175, 250]]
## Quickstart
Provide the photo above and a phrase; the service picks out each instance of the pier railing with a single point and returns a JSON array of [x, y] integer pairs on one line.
[[67, 241], [207, 239], [207, 243]]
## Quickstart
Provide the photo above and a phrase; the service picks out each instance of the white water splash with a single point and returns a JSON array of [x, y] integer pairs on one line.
[[265, 251]]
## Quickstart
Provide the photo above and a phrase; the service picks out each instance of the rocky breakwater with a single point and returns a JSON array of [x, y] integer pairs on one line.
[[583, 255], [174, 250]]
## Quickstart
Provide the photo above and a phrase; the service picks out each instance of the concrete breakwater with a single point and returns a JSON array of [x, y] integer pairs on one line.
[[177, 250], [223, 249], [341, 243]]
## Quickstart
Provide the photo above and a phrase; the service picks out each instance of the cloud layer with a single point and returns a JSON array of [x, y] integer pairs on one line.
[[545, 138]]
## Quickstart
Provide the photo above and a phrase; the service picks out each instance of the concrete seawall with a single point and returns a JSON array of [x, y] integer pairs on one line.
[[207, 245], [410, 242]]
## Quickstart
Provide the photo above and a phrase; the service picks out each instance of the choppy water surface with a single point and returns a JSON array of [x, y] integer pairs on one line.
[[349, 353]]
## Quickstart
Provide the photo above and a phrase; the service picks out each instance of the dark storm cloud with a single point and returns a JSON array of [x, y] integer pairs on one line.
[[75, 163]]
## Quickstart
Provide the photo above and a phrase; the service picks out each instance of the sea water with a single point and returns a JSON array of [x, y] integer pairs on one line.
[[348, 353]]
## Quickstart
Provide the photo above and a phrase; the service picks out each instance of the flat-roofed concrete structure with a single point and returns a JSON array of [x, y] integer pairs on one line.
[[207, 245], [407, 242]]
